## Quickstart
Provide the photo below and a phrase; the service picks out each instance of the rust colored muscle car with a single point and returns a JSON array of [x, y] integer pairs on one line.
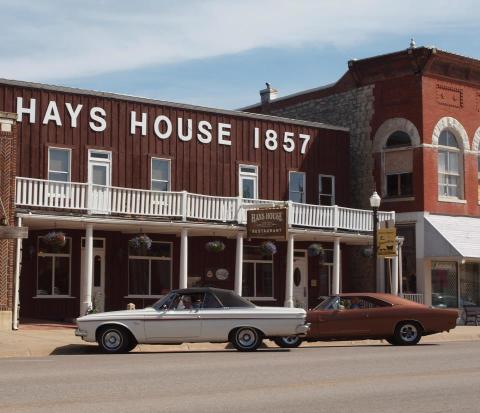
[[359, 316]]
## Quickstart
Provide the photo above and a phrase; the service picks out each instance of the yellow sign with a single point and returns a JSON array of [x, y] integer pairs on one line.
[[387, 242]]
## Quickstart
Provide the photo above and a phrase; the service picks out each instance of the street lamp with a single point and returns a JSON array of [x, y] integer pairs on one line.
[[375, 203]]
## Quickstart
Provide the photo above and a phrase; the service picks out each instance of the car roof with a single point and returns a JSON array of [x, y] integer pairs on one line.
[[389, 298]]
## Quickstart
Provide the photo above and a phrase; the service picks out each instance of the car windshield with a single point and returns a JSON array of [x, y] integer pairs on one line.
[[327, 304]]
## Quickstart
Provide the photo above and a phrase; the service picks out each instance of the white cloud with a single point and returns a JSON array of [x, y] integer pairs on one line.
[[54, 39]]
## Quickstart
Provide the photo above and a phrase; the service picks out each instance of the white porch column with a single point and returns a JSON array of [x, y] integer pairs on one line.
[[87, 276], [239, 264], [336, 266], [400, 269], [16, 297], [183, 259], [289, 279], [395, 275]]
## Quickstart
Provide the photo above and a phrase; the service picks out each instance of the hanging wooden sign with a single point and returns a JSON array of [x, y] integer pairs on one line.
[[267, 223], [7, 232]]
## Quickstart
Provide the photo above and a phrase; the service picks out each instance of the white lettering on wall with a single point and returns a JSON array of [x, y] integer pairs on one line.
[[73, 113], [97, 124], [204, 134], [134, 123], [21, 110], [156, 127], [203, 130], [52, 114], [224, 131], [181, 136]]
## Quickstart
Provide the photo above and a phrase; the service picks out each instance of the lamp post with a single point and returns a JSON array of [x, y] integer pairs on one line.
[[375, 203]]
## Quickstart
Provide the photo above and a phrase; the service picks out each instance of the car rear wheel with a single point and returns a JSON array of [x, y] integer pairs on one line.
[[114, 339], [246, 339], [288, 342], [407, 333]]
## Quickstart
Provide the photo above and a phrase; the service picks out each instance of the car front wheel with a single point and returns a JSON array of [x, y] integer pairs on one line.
[[114, 339], [288, 342], [246, 339], [407, 333]]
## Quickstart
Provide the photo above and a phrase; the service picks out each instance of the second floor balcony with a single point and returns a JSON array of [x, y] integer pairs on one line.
[[87, 198]]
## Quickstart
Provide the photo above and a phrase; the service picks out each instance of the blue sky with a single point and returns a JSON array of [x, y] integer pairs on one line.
[[218, 53]]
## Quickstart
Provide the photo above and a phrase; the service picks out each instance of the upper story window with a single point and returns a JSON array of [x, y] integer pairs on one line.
[[449, 166], [59, 164], [326, 190], [248, 181], [398, 165], [296, 187], [160, 174]]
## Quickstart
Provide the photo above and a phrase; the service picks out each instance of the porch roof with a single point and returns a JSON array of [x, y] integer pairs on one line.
[[39, 221]]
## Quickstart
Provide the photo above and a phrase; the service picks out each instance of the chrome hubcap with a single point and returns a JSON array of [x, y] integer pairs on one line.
[[290, 339], [408, 332], [247, 337], [112, 340]]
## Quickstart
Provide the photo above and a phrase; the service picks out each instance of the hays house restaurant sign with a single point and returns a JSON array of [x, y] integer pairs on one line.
[[265, 223]]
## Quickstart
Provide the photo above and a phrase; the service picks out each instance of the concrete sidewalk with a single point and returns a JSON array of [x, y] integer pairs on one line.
[[39, 340]]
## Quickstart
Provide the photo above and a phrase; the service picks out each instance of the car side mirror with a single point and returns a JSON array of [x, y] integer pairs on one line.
[[341, 307]]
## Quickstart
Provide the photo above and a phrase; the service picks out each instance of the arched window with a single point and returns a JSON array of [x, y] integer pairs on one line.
[[398, 165], [449, 166]]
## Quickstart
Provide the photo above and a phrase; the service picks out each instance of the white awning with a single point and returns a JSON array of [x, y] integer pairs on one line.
[[447, 236]]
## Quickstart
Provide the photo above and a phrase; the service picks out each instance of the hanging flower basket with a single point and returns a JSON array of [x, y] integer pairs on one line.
[[215, 246], [55, 239], [141, 242], [268, 248], [315, 250]]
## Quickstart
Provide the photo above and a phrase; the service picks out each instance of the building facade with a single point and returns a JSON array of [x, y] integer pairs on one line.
[[414, 120], [123, 195]]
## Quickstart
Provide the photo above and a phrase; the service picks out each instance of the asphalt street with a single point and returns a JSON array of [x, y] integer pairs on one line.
[[442, 377]]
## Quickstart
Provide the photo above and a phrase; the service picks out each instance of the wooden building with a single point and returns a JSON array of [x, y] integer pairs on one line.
[[100, 175]]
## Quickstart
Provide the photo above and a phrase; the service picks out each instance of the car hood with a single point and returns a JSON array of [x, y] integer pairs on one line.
[[122, 314]]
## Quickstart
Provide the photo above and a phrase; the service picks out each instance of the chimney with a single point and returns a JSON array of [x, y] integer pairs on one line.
[[266, 96]]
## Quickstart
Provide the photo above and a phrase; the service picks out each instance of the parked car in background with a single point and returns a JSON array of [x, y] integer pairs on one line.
[[189, 316], [373, 316]]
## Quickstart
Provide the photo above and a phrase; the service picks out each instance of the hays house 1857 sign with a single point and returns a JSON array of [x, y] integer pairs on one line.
[[266, 223]]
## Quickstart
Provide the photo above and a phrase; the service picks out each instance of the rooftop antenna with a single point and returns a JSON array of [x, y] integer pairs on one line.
[[412, 43]]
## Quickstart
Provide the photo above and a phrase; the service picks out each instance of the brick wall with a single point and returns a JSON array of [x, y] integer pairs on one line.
[[353, 109], [7, 196]]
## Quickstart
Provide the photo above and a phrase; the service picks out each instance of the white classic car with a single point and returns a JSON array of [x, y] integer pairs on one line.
[[189, 316]]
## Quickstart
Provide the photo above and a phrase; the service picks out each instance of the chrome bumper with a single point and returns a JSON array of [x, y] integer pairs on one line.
[[303, 329], [81, 333]]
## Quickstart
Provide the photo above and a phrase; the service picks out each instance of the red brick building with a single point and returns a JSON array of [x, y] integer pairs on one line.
[[95, 171], [414, 119]]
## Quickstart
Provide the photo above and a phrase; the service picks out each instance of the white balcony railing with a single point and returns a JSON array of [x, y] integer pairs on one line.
[[98, 199]]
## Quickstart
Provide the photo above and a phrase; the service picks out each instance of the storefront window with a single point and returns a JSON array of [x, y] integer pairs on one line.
[[149, 271], [257, 273], [444, 284], [470, 285], [53, 268]]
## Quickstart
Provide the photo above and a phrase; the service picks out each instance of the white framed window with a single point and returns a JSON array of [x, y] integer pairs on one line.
[[450, 175], [59, 164], [53, 268], [160, 174], [257, 281], [296, 186], [248, 181], [150, 270], [326, 190]]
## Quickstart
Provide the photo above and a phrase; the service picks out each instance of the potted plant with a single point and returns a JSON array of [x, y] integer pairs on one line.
[[140, 243], [315, 250], [55, 239], [215, 246], [268, 248]]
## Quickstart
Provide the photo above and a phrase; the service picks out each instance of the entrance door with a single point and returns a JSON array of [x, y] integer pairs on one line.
[[98, 273], [99, 178], [300, 279]]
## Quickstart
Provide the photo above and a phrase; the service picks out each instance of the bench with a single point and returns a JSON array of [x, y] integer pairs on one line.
[[472, 315]]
